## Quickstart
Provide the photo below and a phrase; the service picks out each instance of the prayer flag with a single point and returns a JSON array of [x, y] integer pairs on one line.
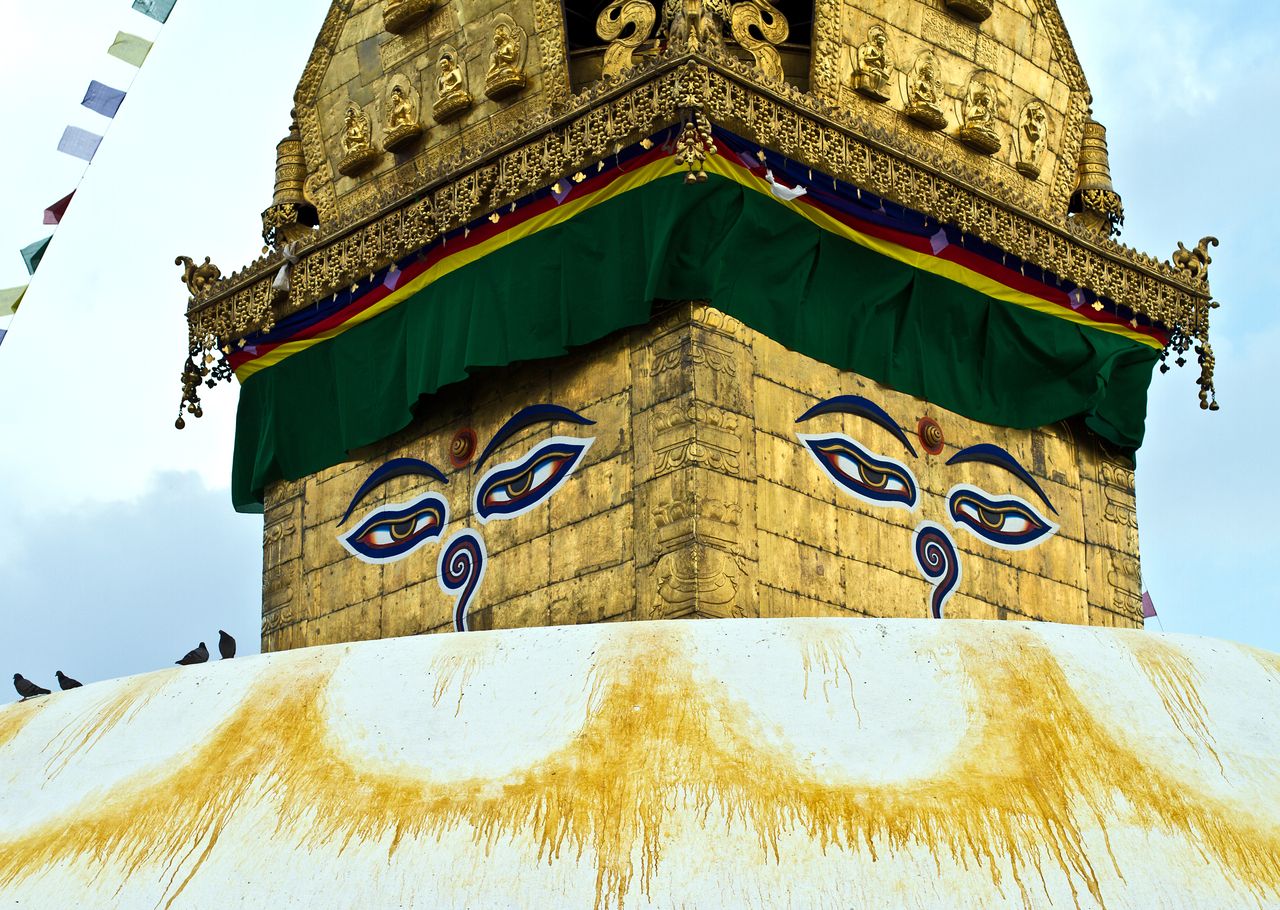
[[1148, 606], [55, 213], [103, 99], [156, 9], [2, 334], [130, 48], [79, 143], [9, 300], [33, 254]]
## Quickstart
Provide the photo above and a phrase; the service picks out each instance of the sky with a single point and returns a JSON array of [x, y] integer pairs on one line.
[[119, 549]]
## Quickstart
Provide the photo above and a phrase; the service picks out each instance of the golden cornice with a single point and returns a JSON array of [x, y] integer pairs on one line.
[[542, 148]]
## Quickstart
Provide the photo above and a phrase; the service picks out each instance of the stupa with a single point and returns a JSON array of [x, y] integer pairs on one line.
[[580, 320]]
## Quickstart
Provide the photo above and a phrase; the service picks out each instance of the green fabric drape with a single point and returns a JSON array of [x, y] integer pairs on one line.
[[574, 283]]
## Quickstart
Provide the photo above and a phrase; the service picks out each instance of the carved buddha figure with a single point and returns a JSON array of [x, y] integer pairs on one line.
[[357, 141], [506, 60], [924, 93], [979, 129], [1032, 134], [452, 97], [356, 135], [873, 65], [402, 126]]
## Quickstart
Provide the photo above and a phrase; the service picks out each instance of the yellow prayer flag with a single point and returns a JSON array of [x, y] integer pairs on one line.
[[130, 48], [9, 300]]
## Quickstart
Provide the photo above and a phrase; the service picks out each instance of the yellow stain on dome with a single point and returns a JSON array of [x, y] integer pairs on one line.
[[89, 727], [1035, 772], [16, 717], [1177, 682]]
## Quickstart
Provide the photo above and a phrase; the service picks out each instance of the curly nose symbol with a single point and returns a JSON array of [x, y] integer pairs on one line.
[[938, 561], [460, 571]]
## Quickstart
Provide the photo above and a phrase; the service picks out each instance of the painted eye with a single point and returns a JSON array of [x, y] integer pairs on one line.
[[512, 489], [1007, 522], [874, 479], [396, 531]]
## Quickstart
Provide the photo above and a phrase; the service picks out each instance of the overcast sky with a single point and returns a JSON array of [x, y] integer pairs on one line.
[[119, 549]]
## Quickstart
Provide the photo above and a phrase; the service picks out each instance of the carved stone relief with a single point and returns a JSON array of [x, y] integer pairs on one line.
[[452, 97], [506, 74]]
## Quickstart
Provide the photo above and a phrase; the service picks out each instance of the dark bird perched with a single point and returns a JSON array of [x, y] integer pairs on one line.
[[26, 688], [226, 645], [67, 682], [194, 656]]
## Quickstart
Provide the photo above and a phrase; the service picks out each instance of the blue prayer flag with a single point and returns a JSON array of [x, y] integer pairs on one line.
[[32, 255], [103, 99], [156, 9], [79, 143], [2, 334]]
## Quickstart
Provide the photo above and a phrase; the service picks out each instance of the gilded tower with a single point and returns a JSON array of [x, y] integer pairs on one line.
[[643, 310], [807, 320]]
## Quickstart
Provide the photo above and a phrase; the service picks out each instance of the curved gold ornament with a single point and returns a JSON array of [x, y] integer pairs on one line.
[[758, 26], [625, 24]]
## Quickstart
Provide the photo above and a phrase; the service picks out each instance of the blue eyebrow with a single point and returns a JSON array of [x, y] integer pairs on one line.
[[527, 417], [994, 455], [859, 407], [396, 467]]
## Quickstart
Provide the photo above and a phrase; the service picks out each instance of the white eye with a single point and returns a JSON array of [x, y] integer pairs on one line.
[[1015, 524], [542, 472]]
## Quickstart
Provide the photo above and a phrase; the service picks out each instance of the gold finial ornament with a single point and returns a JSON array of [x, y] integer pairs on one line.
[[290, 214], [506, 59], [762, 18], [1033, 128], [1096, 204], [976, 10], [873, 65], [398, 16], [625, 24], [924, 93], [979, 128], [401, 125], [199, 279], [452, 97], [1194, 264], [358, 151]]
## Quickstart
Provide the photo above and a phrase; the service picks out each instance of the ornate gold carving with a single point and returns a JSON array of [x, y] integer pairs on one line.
[[548, 22], [694, 145], [873, 65], [290, 216], [758, 26], [694, 25], [199, 279], [977, 10], [358, 151], [401, 126], [398, 16], [625, 24], [497, 171], [697, 579], [1032, 138], [924, 93], [1194, 263], [978, 130], [506, 59], [452, 97], [1096, 204]]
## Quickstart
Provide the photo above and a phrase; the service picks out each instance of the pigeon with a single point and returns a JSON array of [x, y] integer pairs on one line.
[[26, 688], [226, 645], [67, 682], [194, 656]]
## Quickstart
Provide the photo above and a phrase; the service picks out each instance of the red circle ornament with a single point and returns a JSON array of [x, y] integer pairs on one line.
[[463, 448], [930, 435]]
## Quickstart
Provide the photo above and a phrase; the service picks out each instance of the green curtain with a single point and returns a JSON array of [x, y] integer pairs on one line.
[[572, 284]]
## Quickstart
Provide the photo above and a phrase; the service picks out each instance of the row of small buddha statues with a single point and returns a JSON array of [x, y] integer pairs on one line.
[[402, 123], [873, 76]]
